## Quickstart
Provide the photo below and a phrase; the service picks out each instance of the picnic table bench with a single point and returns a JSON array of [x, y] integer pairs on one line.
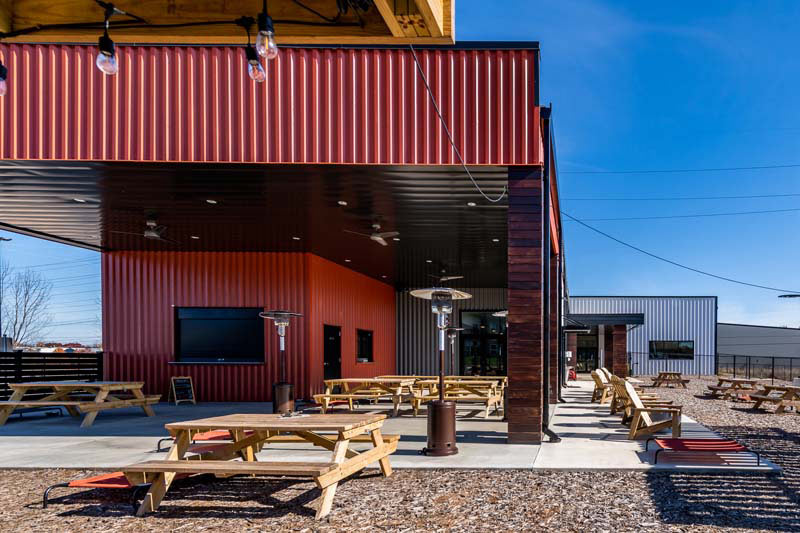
[[732, 387], [669, 378], [782, 396], [486, 391], [250, 432], [374, 389], [87, 397]]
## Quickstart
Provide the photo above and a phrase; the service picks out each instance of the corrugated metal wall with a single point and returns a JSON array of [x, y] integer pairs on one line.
[[344, 298], [665, 319], [141, 288], [417, 351], [182, 103]]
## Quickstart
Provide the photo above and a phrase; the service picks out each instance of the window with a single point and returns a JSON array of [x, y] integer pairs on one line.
[[363, 346], [671, 349], [219, 335]]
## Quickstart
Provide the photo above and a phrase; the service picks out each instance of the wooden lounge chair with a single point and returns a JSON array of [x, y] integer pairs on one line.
[[643, 423], [603, 391], [621, 402]]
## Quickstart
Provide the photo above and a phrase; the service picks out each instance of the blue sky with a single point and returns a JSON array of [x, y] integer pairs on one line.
[[634, 85]]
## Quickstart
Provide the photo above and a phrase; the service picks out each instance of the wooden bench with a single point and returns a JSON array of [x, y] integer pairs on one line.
[[232, 468], [492, 400]]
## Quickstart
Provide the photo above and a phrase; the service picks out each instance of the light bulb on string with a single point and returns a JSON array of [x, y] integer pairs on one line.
[[254, 68], [265, 40], [106, 57], [3, 77]]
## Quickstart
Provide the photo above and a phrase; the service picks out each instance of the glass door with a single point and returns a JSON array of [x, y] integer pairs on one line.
[[483, 344], [587, 353]]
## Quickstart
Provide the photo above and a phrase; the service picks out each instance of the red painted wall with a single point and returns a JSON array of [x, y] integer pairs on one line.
[[373, 308], [141, 288]]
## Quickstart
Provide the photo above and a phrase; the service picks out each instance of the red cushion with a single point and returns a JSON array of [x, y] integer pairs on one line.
[[700, 445], [114, 480]]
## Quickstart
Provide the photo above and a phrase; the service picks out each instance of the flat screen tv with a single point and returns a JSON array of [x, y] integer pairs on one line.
[[219, 335]]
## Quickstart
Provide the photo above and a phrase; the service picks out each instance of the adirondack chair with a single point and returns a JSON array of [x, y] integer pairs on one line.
[[621, 401], [643, 423], [606, 373], [603, 391]]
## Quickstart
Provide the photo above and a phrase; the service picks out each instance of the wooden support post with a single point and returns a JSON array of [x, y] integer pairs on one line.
[[326, 500], [88, 419], [161, 484]]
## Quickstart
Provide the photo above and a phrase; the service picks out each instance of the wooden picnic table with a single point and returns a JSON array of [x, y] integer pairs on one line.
[[669, 378], [365, 389], [729, 387], [89, 397], [251, 431], [787, 396], [482, 390]]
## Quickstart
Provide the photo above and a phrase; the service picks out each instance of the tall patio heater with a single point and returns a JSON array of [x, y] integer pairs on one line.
[[441, 413], [282, 392]]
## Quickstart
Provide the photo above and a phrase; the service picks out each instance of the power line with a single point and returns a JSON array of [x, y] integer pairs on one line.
[[674, 263], [681, 170], [679, 198], [701, 215]]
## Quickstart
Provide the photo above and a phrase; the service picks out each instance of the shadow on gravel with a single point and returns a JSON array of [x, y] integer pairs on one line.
[[731, 499]]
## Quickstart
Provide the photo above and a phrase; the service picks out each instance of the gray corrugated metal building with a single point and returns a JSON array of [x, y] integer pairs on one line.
[[675, 333], [757, 341]]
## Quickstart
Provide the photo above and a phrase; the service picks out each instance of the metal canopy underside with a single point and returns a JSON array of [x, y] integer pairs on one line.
[[262, 207], [607, 319]]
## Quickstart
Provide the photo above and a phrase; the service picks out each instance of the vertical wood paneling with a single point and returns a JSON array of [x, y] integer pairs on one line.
[[197, 104], [140, 290]]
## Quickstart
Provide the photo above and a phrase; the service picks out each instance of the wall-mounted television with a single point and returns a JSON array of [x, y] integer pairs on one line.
[[219, 335]]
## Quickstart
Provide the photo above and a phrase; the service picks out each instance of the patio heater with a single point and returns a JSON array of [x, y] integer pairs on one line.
[[452, 334], [441, 413], [282, 392]]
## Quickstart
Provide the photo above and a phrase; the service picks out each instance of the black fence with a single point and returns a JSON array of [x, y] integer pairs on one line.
[[756, 367], [19, 367]]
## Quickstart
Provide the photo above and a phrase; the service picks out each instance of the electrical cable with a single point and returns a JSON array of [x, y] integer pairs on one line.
[[669, 198], [681, 170], [674, 263], [447, 131], [702, 215]]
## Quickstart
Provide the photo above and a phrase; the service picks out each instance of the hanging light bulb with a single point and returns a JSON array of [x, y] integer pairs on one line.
[[106, 58], [3, 77], [254, 68], [265, 40]]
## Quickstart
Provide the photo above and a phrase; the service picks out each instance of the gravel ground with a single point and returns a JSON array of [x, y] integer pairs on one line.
[[498, 500]]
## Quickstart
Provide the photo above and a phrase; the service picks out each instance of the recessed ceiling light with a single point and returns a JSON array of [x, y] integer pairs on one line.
[[396, 239], [495, 240], [80, 200], [471, 204], [347, 261], [212, 202], [342, 203], [195, 237], [295, 238], [429, 261]]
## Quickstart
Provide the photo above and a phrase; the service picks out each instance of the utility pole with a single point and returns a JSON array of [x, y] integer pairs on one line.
[[2, 335]]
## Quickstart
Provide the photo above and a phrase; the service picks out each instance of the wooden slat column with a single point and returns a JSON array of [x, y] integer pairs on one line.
[[525, 320], [619, 358]]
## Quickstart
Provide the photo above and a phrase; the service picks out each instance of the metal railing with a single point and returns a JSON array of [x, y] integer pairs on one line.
[[738, 366], [19, 367]]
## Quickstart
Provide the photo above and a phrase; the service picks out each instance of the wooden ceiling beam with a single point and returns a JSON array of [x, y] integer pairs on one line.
[[387, 12], [432, 12], [6, 15]]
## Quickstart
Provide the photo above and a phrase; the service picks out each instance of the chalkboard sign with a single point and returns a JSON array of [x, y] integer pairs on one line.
[[182, 389]]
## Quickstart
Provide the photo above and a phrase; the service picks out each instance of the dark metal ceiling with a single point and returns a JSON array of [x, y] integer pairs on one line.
[[261, 208]]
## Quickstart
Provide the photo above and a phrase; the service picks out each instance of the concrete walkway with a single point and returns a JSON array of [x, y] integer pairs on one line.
[[593, 439], [124, 436]]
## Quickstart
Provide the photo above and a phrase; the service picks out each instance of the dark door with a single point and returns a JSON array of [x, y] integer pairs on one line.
[[332, 352], [587, 353], [482, 344]]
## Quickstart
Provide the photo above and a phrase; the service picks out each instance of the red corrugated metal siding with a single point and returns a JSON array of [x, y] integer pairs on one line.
[[317, 106], [342, 297], [141, 288]]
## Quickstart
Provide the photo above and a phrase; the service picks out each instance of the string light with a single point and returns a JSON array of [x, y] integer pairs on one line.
[[265, 40], [106, 58], [254, 68], [3, 77]]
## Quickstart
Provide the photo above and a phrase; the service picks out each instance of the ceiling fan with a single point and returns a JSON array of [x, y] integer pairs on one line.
[[445, 279], [377, 235], [152, 231]]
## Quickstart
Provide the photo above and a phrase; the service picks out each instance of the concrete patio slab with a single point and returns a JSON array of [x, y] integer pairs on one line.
[[125, 436], [593, 439]]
